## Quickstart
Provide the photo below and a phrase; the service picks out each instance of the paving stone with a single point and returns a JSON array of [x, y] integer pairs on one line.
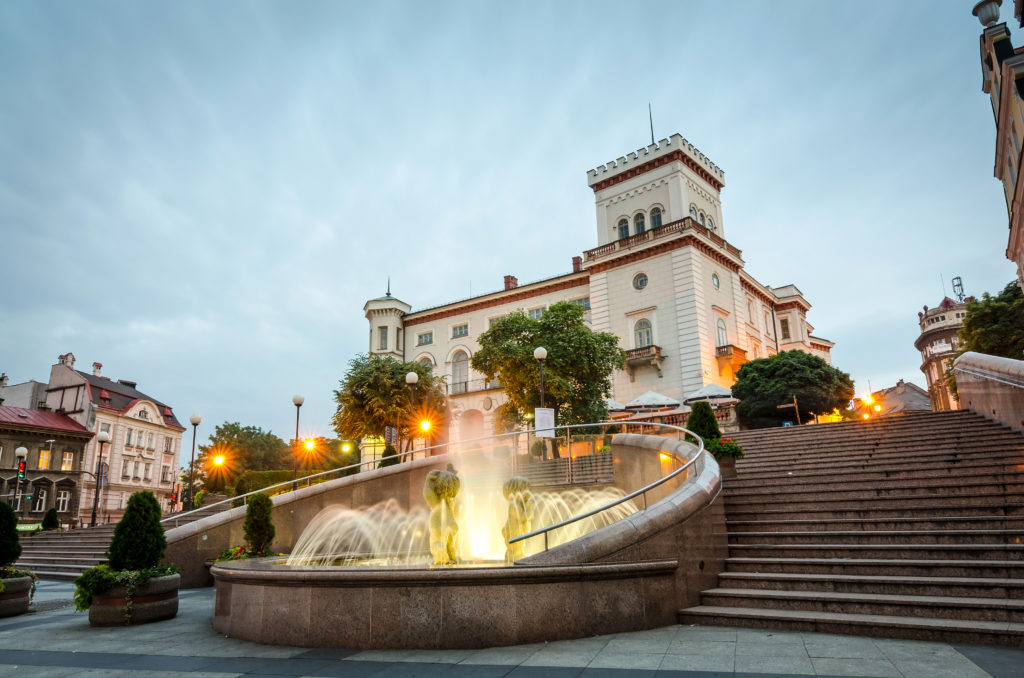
[[763, 649], [792, 665], [707, 647], [861, 668], [698, 662], [609, 659]]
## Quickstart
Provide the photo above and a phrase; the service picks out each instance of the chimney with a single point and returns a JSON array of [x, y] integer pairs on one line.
[[96, 367], [900, 387], [3, 379], [577, 264], [67, 359], [511, 282]]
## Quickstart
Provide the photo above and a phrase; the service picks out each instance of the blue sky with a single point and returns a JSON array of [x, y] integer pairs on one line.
[[202, 196]]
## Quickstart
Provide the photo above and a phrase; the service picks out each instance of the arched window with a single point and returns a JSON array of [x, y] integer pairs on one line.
[[460, 372], [723, 335], [655, 217], [425, 361], [638, 223], [693, 212], [701, 219], [642, 333], [711, 224], [623, 228]]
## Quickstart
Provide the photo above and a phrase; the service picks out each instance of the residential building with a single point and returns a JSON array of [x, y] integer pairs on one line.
[[54, 446], [938, 343], [145, 436], [1002, 69], [30, 394], [663, 278], [903, 398]]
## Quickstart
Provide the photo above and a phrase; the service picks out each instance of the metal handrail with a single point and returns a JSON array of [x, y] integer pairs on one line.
[[642, 491], [986, 375]]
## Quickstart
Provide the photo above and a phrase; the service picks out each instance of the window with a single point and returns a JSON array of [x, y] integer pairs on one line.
[[124, 499], [584, 302], [491, 321], [623, 228], [128, 438], [124, 468], [425, 361], [750, 311], [148, 472], [536, 313], [425, 338], [642, 333], [68, 462], [460, 331], [63, 499], [638, 223], [39, 500], [711, 224], [640, 281], [167, 446], [715, 281], [143, 414], [44, 459], [655, 217], [693, 212], [105, 427], [382, 338], [767, 322], [701, 219], [150, 441], [460, 372], [723, 334], [165, 474], [784, 324]]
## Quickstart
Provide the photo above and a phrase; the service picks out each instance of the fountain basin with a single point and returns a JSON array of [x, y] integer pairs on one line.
[[439, 607]]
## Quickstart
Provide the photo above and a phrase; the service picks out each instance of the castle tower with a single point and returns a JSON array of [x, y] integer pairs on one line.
[[386, 328]]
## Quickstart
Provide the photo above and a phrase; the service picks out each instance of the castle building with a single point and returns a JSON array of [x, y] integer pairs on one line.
[[1002, 68], [662, 278], [938, 343]]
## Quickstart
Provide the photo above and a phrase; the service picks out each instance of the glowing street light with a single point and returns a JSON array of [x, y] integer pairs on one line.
[[218, 460], [425, 425]]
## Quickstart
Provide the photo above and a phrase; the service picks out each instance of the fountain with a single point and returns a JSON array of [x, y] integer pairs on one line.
[[376, 566]]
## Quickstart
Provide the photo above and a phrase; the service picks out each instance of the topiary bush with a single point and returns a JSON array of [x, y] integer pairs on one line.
[[389, 458], [139, 540], [259, 522], [51, 521], [10, 547], [702, 422]]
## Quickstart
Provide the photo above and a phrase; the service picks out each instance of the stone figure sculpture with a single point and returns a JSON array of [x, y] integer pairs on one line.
[[521, 507], [441, 490]]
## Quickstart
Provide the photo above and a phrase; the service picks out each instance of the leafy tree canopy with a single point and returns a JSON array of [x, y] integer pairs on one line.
[[374, 395], [995, 325], [244, 448], [577, 372], [764, 384]]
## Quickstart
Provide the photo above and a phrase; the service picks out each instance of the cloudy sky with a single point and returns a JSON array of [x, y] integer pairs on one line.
[[202, 195]]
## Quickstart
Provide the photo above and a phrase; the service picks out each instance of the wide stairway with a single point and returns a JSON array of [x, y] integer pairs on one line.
[[902, 527], [63, 556]]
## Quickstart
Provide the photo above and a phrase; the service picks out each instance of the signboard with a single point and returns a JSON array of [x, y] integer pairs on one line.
[[390, 435], [786, 424], [544, 418]]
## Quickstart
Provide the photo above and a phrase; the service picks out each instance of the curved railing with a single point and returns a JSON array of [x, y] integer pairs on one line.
[[435, 450]]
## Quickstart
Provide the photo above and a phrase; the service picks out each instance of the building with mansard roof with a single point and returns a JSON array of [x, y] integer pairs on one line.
[[663, 278]]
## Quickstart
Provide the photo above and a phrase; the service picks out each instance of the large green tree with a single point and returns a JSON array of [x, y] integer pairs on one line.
[[995, 325], [764, 384], [374, 395], [577, 372]]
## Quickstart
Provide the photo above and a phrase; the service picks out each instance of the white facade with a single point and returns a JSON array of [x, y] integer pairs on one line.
[[662, 278]]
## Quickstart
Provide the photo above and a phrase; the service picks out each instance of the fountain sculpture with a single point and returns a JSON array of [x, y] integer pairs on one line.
[[441, 490], [521, 507]]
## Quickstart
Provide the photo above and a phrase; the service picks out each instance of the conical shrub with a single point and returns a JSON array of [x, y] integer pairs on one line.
[[10, 547], [139, 540], [702, 422], [259, 523], [50, 520]]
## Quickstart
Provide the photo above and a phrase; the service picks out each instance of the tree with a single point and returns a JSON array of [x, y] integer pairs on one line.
[[374, 395], [139, 540], [259, 523], [995, 325], [50, 520], [244, 448], [389, 457], [10, 546], [577, 371], [702, 422], [764, 384]]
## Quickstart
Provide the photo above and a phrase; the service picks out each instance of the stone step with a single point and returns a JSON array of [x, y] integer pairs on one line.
[[912, 628], [905, 567], [855, 551], [890, 501], [918, 435], [861, 537], [973, 587], [942, 607], [1005, 484], [981, 522], [875, 472], [996, 505]]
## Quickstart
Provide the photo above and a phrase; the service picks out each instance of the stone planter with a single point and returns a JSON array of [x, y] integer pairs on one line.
[[15, 597], [727, 465], [156, 601]]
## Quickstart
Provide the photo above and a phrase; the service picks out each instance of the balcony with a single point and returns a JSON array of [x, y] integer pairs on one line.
[[730, 356], [643, 357], [677, 226], [471, 386]]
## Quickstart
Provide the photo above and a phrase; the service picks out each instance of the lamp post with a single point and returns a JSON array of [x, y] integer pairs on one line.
[[21, 454], [195, 420], [297, 400], [412, 378], [102, 438], [541, 354]]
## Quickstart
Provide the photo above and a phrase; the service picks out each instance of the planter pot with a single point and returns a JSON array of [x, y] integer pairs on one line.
[[727, 465], [14, 598], [156, 601]]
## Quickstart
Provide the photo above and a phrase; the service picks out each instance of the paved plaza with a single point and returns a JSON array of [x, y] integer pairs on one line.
[[56, 641]]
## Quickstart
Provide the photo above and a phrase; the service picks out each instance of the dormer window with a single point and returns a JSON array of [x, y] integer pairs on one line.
[[623, 228], [638, 223], [655, 217], [143, 414]]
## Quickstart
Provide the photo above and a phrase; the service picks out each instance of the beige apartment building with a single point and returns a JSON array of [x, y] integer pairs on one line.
[[663, 278], [938, 343]]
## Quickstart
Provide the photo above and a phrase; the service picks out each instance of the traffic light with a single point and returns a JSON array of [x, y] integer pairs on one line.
[[21, 469]]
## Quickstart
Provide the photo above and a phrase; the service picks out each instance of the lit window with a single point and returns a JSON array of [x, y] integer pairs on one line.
[[536, 313], [67, 464], [623, 228], [460, 331], [382, 334], [638, 223], [640, 281], [642, 333], [784, 324], [63, 499], [584, 302], [460, 372], [44, 460], [723, 334], [655, 217], [715, 281], [425, 338]]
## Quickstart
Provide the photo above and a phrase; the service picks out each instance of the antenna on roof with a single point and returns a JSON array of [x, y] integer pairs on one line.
[[650, 116], [943, 281], [389, 286]]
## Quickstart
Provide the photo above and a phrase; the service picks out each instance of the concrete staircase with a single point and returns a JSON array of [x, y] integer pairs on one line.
[[63, 556], [906, 527]]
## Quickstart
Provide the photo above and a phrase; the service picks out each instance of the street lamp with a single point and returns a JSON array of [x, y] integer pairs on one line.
[[21, 453], [101, 438], [541, 354], [195, 420], [297, 400], [412, 378]]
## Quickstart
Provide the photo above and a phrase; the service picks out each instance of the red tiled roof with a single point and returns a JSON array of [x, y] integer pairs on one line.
[[40, 419]]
